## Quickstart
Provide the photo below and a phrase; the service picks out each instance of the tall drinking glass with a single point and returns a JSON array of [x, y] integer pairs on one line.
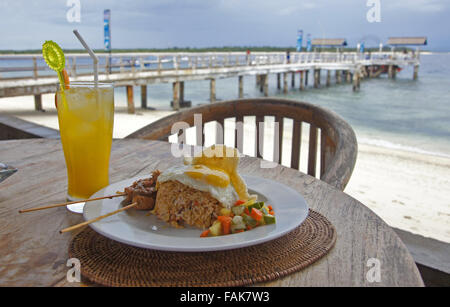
[[86, 126]]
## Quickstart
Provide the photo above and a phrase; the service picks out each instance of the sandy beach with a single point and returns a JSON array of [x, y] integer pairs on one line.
[[408, 190]]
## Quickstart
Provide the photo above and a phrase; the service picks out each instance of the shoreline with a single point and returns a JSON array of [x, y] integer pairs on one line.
[[407, 189]]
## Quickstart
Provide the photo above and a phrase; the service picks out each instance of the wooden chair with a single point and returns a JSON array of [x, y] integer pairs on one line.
[[338, 146]]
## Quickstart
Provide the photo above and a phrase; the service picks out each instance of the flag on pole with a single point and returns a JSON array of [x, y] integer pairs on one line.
[[107, 28], [308, 42], [299, 40]]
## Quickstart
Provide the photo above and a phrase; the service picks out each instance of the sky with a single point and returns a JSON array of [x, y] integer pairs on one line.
[[26, 24]]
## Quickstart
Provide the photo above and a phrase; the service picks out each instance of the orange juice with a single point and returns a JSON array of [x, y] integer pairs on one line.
[[86, 125]]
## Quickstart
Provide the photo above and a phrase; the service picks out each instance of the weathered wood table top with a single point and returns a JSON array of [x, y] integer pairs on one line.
[[34, 253]]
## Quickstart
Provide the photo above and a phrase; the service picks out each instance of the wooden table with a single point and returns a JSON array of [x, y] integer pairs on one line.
[[33, 253]]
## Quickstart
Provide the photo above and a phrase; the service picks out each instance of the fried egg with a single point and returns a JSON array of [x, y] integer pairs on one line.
[[225, 194], [215, 172]]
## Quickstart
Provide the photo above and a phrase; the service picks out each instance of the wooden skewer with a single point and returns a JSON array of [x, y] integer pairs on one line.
[[70, 203], [97, 218]]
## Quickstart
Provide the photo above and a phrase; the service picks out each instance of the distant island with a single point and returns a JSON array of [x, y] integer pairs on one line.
[[206, 49]]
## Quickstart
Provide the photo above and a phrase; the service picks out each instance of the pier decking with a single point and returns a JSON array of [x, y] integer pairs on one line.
[[30, 76]]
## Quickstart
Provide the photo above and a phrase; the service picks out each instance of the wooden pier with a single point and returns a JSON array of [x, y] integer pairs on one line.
[[32, 77]]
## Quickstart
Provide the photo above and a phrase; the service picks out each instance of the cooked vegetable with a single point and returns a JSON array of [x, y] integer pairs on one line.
[[216, 229], [265, 210], [237, 220], [249, 202], [237, 223], [226, 224], [256, 214], [239, 202], [269, 219], [257, 205], [243, 216], [249, 221], [238, 210], [205, 233], [225, 211]]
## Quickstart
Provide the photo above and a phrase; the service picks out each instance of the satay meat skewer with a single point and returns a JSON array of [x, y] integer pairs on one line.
[[141, 194], [142, 191]]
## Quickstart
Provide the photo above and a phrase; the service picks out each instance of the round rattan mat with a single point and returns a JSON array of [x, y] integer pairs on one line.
[[111, 263]]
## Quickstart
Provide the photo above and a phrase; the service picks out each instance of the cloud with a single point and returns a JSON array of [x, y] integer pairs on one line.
[[428, 6], [201, 23]]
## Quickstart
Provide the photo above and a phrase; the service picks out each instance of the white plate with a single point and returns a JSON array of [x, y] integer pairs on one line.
[[135, 228]]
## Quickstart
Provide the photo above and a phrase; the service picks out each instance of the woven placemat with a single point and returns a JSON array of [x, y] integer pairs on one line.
[[111, 263]]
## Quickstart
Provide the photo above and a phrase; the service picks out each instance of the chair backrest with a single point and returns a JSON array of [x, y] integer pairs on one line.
[[338, 146]]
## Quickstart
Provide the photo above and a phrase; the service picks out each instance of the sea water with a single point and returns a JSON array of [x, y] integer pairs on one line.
[[401, 113]]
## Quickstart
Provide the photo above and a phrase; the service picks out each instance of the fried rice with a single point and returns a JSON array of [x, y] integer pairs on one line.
[[181, 205]]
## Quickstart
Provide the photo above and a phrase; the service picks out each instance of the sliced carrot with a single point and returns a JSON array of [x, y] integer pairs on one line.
[[272, 212], [239, 230], [249, 227], [256, 214], [205, 233], [239, 202], [246, 211], [270, 207], [226, 224]]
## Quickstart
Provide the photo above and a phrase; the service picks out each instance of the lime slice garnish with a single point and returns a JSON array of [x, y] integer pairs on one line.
[[53, 56]]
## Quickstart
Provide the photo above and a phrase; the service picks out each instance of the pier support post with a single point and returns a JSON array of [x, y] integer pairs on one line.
[[316, 78], [356, 81], [38, 102], [176, 97], [338, 77], [278, 81], [266, 85], [306, 78], [35, 68], [348, 76], [212, 90], [302, 86], [181, 92], [416, 72], [144, 96], [258, 80], [364, 72], [293, 79], [241, 86], [130, 99], [391, 71], [394, 72], [328, 77], [285, 83]]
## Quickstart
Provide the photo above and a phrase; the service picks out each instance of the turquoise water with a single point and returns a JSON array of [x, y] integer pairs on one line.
[[401, 113]]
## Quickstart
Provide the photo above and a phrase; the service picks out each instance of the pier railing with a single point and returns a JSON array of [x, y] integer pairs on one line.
[[27, 74], [30, 66]]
